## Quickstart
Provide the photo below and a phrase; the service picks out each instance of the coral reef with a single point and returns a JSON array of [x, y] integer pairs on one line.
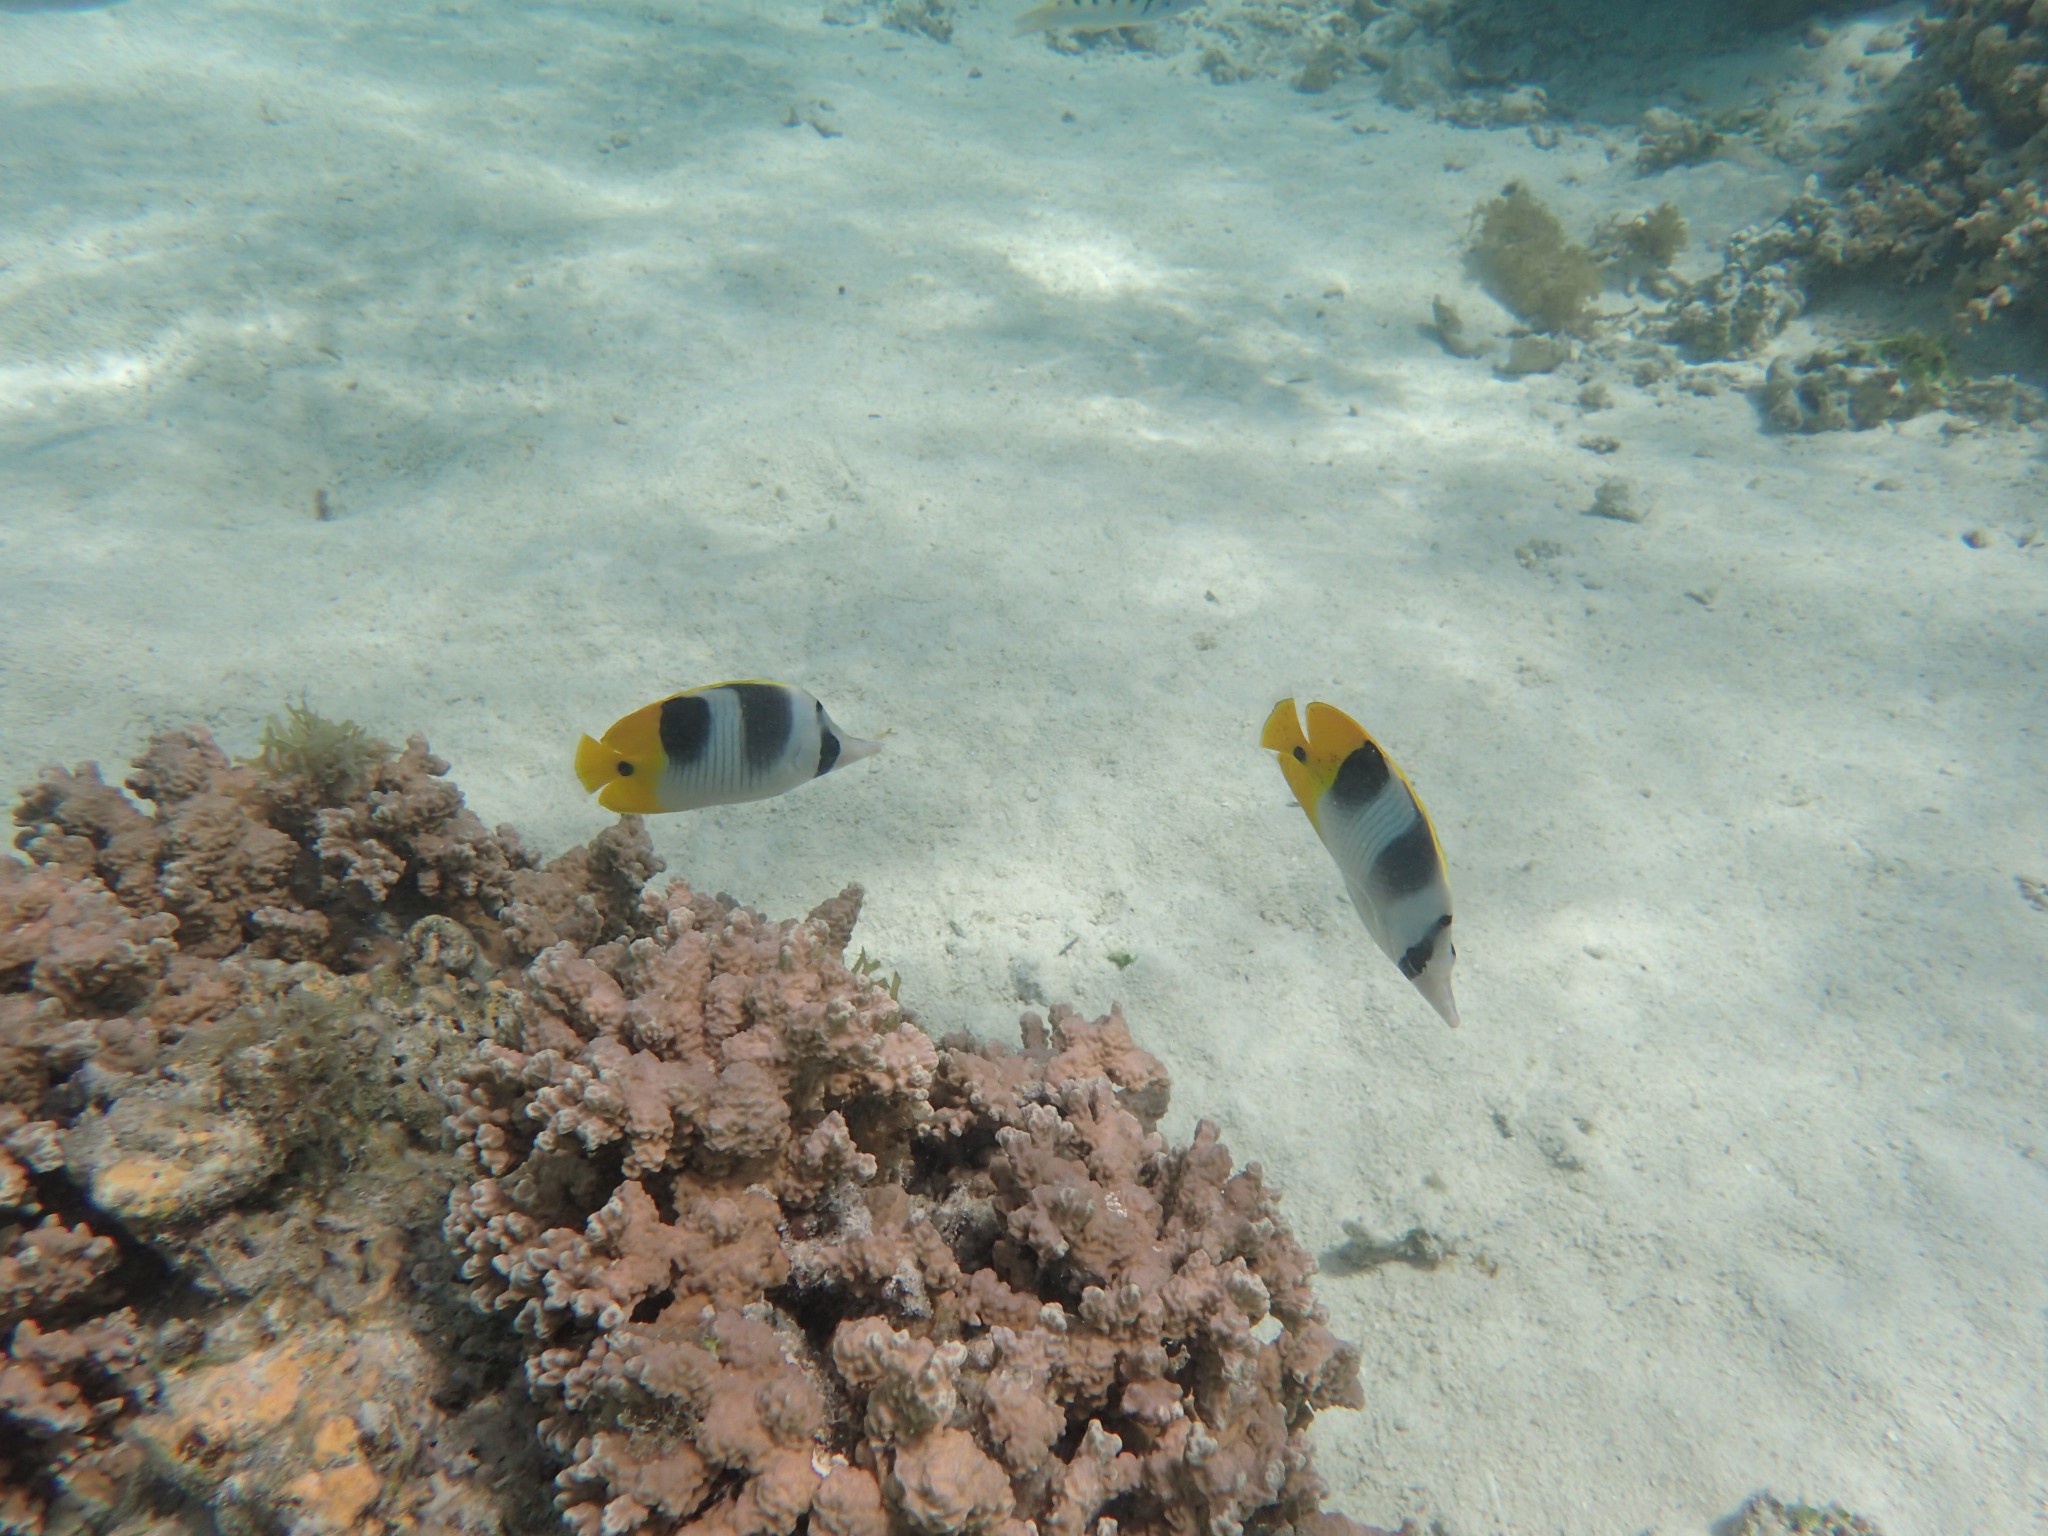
[[223, 1071], [1962, 188], [60, 1390], [1485, 63], [774, 1253], [1947, 188], [1591, 55], [1842, 387], [1953, 187], [264, 859], [767, 1253], [1758, 291], [1860, 385]]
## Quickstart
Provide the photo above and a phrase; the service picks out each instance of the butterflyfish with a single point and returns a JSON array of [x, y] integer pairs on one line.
[[716, 745], [1372, 821], [1098, 15]]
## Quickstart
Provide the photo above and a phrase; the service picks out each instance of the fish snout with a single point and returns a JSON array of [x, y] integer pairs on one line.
[[853, 748]]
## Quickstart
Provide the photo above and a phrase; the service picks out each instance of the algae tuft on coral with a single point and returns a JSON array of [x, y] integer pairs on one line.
[[327, 756], [1922, 358]]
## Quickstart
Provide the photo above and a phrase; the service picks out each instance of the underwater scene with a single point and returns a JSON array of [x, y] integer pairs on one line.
[[951, 768]]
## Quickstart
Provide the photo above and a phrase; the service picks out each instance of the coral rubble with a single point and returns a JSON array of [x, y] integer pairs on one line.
[[1764, 1515], [736, 1246]]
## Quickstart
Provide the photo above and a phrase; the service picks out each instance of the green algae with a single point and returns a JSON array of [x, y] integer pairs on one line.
[[1522, 255], [328, 757]]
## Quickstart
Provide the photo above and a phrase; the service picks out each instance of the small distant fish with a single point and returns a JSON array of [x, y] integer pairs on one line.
[[1370, 818], [1098, 15], [716, 745]]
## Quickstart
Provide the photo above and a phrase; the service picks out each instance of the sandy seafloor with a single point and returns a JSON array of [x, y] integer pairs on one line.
[[1055, 415]]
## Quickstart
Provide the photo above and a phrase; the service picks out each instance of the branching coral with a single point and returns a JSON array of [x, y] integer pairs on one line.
[[771, 1255], [1955, 188], [59, 1391], [187, 1122], [260, 860], [776, 1254]]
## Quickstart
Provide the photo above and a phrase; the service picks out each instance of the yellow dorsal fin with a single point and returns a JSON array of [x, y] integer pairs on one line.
[[1283, 729], [1332, 734]]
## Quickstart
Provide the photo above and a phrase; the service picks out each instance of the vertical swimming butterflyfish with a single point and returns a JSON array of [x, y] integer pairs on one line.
[[716, 745], [1372, 821], [1098, 15]]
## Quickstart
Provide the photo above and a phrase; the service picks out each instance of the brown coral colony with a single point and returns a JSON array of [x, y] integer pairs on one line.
[[768, 1257]]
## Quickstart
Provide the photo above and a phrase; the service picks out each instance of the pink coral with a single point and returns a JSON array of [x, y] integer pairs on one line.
[[158, 1073], [245, 859], [60, 1392], [773, 1257], [776, 1253], [51, 1265], [70, 940]]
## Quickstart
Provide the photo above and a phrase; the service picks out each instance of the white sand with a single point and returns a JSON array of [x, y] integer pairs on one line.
[[1060, 449]]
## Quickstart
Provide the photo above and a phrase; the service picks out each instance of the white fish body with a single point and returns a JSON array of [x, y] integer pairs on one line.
[[722, 744], [1374, 825], [1098, 15]]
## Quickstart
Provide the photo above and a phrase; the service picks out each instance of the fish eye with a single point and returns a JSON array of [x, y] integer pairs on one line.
[[1301, 754], [625, 770]]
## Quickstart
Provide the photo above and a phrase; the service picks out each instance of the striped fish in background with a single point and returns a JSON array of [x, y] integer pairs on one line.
[[1098, 15], [1373, 823], [717, 745]]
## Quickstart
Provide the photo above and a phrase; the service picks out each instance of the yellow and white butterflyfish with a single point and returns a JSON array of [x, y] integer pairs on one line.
[[1098, 15], [720, 744], [1372, 821]]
